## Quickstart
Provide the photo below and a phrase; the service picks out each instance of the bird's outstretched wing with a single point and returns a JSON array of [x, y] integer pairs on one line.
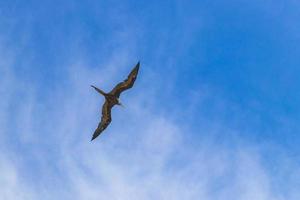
[[105, 119], [126, 84]]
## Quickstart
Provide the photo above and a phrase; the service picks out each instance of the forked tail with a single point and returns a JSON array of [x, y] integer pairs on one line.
[[98, 90]]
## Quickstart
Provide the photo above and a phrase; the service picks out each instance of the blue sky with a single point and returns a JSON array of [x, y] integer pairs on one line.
[[213, 114]]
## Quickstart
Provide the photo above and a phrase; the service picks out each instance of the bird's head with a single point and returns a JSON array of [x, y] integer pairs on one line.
[[119, 103]]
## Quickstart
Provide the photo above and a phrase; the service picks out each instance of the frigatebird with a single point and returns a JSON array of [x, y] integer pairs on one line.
[[112, 98]]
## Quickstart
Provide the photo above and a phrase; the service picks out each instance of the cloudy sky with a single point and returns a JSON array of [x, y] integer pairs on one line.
[[214, 113]]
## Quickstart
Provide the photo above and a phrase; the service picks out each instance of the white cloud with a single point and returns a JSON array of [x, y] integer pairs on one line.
[[142, 155], [11, 186]]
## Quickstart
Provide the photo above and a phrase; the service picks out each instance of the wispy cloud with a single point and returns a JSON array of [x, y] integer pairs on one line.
[[45, 134], [143, 155]]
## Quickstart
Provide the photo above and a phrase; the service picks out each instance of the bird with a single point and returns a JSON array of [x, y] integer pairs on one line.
[[112, 99]]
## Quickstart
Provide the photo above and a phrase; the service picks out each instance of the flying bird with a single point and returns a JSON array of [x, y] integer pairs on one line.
[[112, 98]]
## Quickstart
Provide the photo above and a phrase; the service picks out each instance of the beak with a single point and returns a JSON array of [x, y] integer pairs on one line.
[[122, 105]]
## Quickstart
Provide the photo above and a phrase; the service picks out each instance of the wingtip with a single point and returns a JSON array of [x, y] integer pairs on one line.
[[137, 65], [93, 138]]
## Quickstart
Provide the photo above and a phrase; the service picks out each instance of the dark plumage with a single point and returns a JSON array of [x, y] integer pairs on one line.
[[112, 98]]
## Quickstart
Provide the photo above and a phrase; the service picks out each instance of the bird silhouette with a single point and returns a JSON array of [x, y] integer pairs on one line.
[[112, 98]]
